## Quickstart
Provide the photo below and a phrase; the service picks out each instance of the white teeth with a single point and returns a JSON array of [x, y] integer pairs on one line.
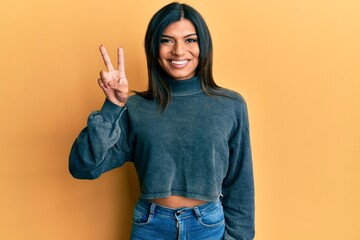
[[179, 62]]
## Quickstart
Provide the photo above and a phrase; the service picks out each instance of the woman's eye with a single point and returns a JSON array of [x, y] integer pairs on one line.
[[164, 41], [191, 40]]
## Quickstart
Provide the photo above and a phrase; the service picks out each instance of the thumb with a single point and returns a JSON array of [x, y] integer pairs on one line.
[[113, 84]]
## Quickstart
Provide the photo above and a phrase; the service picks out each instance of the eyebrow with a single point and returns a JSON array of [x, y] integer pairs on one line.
[[189, 35]]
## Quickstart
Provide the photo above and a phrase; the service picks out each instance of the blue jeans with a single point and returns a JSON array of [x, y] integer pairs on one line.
[[154, 222]]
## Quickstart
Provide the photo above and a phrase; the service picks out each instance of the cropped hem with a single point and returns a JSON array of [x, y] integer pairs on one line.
[[197, 196]]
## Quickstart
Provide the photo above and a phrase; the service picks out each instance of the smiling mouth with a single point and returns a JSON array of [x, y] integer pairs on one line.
[[179, 63], [182, 62]]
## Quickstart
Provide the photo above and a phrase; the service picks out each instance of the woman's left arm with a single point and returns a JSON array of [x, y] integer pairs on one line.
[[238, 185]]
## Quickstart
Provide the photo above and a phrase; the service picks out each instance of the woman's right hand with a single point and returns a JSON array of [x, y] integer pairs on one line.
[[113, 81]]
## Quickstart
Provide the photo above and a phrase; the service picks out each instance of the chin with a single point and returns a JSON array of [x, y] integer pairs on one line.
[[181, 76]]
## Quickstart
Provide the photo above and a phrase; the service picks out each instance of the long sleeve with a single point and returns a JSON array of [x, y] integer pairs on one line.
[[238, 185], [102, 145]]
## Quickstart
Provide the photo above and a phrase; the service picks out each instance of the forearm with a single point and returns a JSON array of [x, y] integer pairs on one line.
[[92, 151], [239, 219]]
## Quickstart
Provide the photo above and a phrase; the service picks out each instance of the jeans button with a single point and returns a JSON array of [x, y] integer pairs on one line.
[[179, 213]]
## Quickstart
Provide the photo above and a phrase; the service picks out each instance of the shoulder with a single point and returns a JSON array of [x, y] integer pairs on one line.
[[231, 96], [137, 102], [236, 103], [136, 98], [233, 103]]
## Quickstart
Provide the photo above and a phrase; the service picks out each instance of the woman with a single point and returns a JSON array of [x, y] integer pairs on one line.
[[187, 137]]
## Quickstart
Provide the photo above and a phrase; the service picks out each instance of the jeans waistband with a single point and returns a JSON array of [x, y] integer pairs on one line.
[[173, 212]]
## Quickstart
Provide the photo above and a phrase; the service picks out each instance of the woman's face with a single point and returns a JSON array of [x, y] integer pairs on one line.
[[179, 50]]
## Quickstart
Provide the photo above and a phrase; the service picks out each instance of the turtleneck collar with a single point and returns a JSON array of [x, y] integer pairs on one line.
[[184, 87]]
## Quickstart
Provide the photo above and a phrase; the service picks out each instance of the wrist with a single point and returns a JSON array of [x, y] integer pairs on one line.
[[117, 102], [121, 104]]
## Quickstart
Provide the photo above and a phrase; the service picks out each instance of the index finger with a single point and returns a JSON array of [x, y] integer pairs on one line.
[[106, 58]]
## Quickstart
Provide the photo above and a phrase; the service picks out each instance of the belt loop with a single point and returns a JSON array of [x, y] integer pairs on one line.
[[197, 213], [152, 209]]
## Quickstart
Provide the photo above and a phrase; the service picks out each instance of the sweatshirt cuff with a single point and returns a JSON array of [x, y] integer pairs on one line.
[[111, 111], [228, 237]]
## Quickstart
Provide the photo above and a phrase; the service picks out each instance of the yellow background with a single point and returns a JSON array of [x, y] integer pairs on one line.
[[296, 62]]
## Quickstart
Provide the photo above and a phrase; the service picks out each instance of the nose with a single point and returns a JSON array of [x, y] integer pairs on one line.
[[179, 49]]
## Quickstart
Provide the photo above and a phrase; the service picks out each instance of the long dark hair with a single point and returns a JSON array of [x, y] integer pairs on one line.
[[158, 88]]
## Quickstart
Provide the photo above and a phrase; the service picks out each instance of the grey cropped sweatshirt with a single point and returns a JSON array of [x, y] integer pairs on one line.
[[199, 147]]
